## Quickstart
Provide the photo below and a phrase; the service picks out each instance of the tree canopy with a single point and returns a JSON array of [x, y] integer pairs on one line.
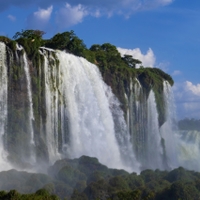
[[131, 62]]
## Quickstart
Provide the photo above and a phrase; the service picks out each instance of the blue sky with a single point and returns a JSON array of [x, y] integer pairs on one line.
[[161, 33]]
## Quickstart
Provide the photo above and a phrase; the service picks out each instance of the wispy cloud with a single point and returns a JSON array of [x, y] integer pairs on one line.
[[70, 15], [12, 18], [108, 6], [40, 18], [71, 12], [148, 59], [176, 73]]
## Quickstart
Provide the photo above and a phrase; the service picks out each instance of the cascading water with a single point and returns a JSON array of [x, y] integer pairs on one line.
[[83, 117], [140, 118], [169, 129], [182, 147], [26, 69], [3, 106], [90, 120], [122, 133], [30, 114], [136, 119], [63, 108], [52, 78], [146, 135], [189, 144], [154, 148]]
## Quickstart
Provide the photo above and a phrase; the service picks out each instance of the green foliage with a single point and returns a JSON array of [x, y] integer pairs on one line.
[[107, 55], [179, 174], [129, 195], [39, 195], [72, 183], [29, 34], [31, 40], [130, 61], [60, 40], [71, 176], [10, 43], [67, 41], [4, 39]]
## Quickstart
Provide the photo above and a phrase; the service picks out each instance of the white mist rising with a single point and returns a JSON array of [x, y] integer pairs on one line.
[[189, 149]]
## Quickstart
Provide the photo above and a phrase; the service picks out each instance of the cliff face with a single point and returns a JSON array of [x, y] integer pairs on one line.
[[25, 107], [58, 106]]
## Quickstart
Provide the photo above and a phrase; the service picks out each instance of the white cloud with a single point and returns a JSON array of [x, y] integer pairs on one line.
[[195, 89], [187, 97], [148, 59], [43, 14], [40, 18], [70, 15], [125, 7], [176, 73], [164, 2], [11, 18]]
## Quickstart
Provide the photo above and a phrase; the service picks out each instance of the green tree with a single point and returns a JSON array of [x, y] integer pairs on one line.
[[76, 46], [31, 40], [130, 61], [29, 34], [60, 40]]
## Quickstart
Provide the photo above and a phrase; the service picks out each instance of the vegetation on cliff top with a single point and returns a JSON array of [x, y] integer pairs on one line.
[[117, 71], [105, 56]]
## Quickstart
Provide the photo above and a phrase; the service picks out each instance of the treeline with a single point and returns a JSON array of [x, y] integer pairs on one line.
[[189, 124], [87, 179], [105, 56]]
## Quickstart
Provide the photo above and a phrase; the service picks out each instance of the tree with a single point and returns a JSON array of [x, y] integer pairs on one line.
[[29, 34], [130, 61], [60, 40], [76, 46]]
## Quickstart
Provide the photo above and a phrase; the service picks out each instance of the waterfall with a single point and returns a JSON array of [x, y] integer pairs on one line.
[[122, 133], [136, 119], [66, 110], [154, 148], [189, 144], [182, 147], [147, 137], [83, 117], [89, 102], [169, 129], [3, 106], [31, 116], [52, 77], [30, 104], [140, 119]]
